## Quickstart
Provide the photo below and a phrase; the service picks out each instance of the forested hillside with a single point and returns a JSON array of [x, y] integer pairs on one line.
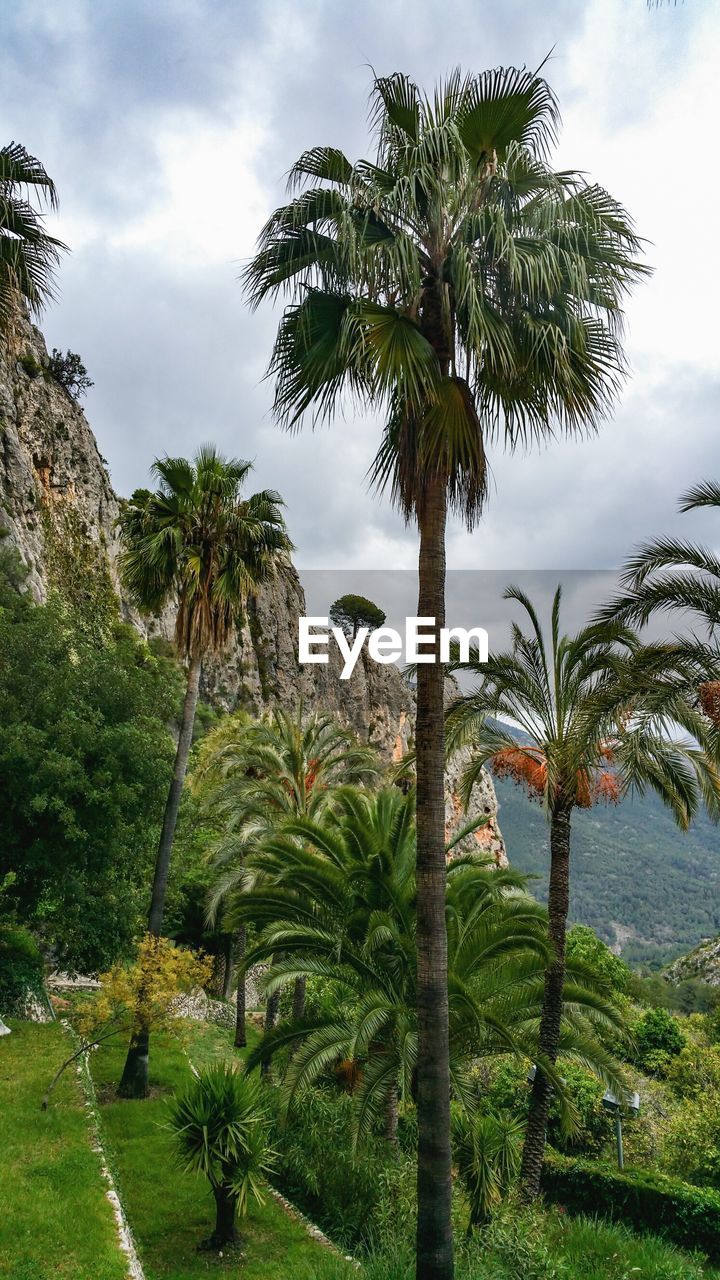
[[641, 883]]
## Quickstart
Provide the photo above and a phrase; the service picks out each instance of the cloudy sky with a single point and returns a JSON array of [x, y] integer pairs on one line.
[[168, 128]]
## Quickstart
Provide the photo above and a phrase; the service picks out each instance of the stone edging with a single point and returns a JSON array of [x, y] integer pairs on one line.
[[125, 1236], [314, 1232]]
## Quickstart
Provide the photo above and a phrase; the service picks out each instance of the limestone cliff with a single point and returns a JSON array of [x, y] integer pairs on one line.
[[59, 510]]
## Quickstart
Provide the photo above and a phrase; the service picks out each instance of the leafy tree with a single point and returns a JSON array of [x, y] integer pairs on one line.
[[352, 612], [583, 944], [587, 737], [460, 286], [85, 758], [28, 255], [658, 1032], [197, 542], [221, 1126], [70, 372], [253, 775], [137, 997], [336, 897]]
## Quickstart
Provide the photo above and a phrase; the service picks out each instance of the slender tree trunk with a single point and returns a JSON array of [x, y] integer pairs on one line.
[[391, 1116], [271, 1016], [225, 1217], [298, 1004], [134, 1080], [240, 1033], [551, 1017], [172, 805], [229, 965], [434, 1224]]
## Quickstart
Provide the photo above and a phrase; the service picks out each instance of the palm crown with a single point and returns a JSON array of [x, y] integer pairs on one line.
[[596, 719], [455, 279], [28, 255], [197, 539]]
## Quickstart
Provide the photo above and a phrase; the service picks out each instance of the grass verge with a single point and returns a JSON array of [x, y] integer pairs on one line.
[[169, 1211], [55, 1220]]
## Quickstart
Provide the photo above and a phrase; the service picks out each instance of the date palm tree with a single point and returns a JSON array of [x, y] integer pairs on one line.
[[594, 722], [252, 776], [337, 898], [672, 576], [28, 255], [459, 286], [199, 544]]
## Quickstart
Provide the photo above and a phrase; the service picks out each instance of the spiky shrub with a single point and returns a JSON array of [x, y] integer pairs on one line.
[[221, 1129], [487, 1150]]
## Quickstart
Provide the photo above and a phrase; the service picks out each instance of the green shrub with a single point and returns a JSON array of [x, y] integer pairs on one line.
[[30, 365], [355, 1197], [21, 969], [658, 1033], [507, 1090], [647, 1201]]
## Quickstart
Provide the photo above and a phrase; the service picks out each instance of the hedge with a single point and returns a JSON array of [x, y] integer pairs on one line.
[[21, 970], [647, 1201]]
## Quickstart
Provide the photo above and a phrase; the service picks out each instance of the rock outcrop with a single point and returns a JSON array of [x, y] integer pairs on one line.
[[702, 963], [58, 509]]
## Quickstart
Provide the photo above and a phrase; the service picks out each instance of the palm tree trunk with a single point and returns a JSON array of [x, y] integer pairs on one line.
[[240, 1033], [551, 1016], [391, 1116], [172, 805], [134, 1079], [272, 1009], [298, 1004], [434, 1224], [228, 970]]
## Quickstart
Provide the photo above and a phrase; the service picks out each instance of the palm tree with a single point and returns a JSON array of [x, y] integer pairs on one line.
[[337, 898], [592, 725], [460, 286], [195, 542], [669, 575], [252, 777], [28, 255]]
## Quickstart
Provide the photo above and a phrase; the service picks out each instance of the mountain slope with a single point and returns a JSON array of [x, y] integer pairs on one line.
[[648, 889]]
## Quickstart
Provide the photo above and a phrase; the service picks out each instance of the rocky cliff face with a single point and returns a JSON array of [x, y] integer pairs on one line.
[[59, 510]]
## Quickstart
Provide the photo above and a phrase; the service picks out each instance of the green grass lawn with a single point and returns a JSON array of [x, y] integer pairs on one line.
[[55, 1221], [170, 1211]]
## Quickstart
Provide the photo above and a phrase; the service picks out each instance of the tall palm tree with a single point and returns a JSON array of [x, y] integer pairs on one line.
[[195, 542], [460, 286], [337, 897], [594, 722], [28, 255], [253, 777]]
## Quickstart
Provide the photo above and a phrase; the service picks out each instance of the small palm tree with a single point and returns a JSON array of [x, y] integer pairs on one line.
[[197, 543], [670, 576], [28, 255], [488, 1150], [221, 1129], [586, 736], [337, 899], [254, 777], [460, 286]]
